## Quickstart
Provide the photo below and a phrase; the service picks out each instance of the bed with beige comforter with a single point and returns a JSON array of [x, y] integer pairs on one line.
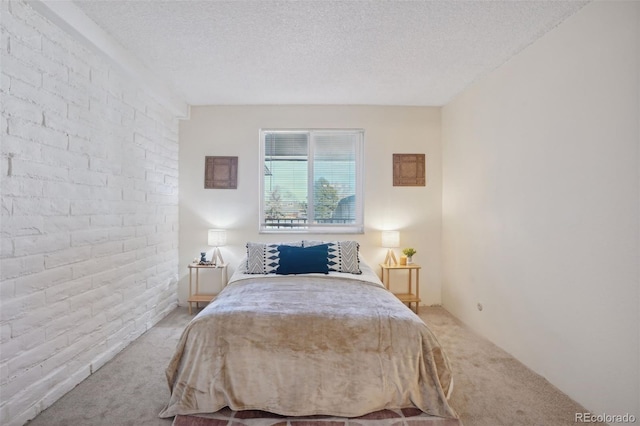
[[297, 345]]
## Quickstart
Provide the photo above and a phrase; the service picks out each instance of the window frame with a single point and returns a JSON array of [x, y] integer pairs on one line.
[[310, 228]]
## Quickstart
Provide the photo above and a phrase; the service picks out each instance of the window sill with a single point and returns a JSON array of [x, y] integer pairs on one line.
[[316, 230]]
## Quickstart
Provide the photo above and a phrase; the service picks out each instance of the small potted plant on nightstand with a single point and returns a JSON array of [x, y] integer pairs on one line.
[[409, 252]]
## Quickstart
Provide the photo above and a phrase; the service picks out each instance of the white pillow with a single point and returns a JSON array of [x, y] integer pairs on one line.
[[343, 255], [264, 258]]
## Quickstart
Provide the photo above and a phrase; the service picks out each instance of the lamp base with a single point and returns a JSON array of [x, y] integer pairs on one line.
[[216, 258], [391, 256]]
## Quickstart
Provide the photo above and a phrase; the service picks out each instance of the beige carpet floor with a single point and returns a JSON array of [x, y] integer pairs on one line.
[[491, 387]]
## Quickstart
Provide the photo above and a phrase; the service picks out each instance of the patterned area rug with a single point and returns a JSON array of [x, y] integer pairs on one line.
[[227, 417]]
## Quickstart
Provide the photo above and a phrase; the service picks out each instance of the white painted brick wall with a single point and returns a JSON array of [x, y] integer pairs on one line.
[[89, 213]]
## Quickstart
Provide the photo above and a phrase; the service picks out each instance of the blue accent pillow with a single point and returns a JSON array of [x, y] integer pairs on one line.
[[303, 260]]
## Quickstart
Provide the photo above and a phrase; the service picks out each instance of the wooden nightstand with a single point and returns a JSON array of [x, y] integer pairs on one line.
[[409, 297], [197, 297]]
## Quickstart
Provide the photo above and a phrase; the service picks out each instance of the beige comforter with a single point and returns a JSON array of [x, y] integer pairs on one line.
[[336, 344]]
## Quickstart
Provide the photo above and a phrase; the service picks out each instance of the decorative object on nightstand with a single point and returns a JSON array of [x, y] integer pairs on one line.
[[390, 240], [409, 252], [217, 238], [411, 296], [197, 297]]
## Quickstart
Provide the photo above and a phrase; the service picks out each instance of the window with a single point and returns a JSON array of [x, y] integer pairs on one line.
[[311, 181]]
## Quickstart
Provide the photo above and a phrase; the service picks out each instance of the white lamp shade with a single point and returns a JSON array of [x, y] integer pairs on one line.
[[390, 239], [217, 237]]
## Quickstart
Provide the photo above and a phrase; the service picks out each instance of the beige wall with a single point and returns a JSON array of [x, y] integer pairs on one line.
[[233, 131], [541, 207]]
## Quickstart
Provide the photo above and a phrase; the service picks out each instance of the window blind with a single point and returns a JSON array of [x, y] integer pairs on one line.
[[312, 181]]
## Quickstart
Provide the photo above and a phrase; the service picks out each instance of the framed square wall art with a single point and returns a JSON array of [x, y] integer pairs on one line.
[[220, 172], [409, 170]]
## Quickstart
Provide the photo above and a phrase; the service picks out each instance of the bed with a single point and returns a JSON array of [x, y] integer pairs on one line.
[[299, 344]]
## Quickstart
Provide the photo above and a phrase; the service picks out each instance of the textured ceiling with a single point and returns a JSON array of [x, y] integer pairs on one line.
[[324, 52]]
